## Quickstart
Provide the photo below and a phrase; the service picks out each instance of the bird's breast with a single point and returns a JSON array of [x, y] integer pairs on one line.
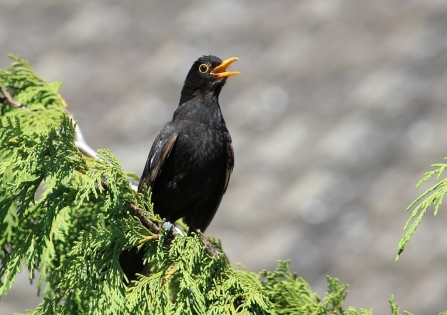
[[202, 146]]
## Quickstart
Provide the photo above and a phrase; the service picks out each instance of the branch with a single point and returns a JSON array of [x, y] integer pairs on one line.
[[8, 98], [151, 226], [80, 142], [87, 151]]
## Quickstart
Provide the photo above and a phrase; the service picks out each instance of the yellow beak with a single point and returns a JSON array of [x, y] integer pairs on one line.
[[220, 72]]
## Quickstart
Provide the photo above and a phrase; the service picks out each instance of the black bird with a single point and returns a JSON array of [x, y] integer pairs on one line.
[[191, 159]]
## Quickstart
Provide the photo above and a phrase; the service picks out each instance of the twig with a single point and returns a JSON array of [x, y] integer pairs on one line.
[[209, 246], [148, 223], [149, 238], [85, 149], [151, 226], [80, 142], [8, 98], [82, 145]]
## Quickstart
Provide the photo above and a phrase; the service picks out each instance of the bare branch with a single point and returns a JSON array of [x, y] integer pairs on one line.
[[211, 249], [151, 226], [8, 98], [80, 142], [82, 145]]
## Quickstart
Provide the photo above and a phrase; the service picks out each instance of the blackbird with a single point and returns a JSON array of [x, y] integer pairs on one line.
[[191, 160]]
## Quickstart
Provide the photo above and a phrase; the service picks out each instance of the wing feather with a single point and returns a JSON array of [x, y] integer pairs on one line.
[[157, 156], [230, 165]]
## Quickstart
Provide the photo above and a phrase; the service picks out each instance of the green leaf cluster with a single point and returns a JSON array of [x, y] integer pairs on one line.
[[432, 196], [67, 219]]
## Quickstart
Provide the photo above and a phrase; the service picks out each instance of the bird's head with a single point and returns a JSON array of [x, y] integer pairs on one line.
[[207, 75]]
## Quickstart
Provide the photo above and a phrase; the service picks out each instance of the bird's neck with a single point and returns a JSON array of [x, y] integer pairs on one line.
[[205, 92], [202, 108]]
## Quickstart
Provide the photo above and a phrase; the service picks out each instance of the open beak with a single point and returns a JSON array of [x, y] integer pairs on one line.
[[220, 72]]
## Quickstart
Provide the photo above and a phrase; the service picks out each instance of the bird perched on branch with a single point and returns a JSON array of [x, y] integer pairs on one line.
[[191, 159]]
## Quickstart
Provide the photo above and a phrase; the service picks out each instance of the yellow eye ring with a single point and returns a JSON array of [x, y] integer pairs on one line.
[[203, 68]]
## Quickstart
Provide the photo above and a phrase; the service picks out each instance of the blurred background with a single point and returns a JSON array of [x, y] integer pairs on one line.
[[338, 112]]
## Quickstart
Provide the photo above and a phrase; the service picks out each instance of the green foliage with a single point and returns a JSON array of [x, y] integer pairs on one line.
[[432, 196], [68, 218], [291, 294], [395, 310]]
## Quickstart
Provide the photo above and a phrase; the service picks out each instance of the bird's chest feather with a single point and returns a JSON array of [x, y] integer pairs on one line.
[[201, 147], [196, 164]]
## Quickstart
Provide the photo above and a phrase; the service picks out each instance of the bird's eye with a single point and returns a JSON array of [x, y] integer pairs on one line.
[[203, 68]]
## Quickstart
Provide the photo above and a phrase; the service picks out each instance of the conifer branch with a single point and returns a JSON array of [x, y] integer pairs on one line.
[[139, 213], [80, 142], [86, 150], [151, 226], [7, 97], [433, 196]]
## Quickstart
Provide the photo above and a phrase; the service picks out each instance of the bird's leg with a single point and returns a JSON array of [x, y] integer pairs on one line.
[[213, 250], [208, 246]]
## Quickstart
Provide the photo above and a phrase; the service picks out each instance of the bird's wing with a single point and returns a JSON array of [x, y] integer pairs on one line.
[[230, 165], [157, 156]]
